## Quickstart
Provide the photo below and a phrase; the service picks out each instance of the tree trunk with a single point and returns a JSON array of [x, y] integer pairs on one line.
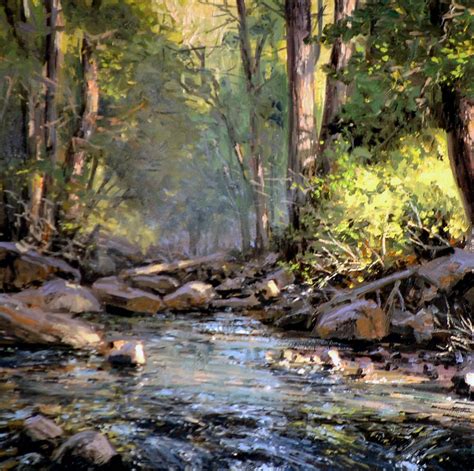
[[458, 117], [251, 66], [302, 130], [336, 91], [76, 156], [53, 60]]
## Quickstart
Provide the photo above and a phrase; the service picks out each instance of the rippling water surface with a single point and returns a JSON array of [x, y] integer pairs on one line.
[[207, 399]]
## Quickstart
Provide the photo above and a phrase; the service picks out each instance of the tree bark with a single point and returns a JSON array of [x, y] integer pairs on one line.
[[458, 117], [76, 156], [53, 60], [302, 129], [336, 91], [251, 67]]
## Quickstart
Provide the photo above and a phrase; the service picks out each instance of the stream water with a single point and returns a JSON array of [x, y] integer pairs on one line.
[[207, 399]]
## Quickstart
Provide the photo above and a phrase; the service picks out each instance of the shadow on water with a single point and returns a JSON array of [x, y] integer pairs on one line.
[[207, 399]]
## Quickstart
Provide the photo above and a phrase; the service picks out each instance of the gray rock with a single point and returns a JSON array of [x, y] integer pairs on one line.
[[85, 450], [60, 296], [161, 284], [38, 428], [191, 295], [114, 293]]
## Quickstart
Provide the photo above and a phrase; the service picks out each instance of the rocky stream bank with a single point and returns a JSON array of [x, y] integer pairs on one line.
[[160, 358]]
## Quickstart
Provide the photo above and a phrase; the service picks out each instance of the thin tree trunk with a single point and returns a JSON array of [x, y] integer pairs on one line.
[[251, 67], [336, 91], [53, 59], [459, 125], [302, 129], [76, 156]]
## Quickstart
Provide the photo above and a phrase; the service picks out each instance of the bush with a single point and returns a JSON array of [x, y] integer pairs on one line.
[[378, 210]]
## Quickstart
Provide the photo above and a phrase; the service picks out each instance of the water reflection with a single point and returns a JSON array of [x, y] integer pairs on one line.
[[207, 400]]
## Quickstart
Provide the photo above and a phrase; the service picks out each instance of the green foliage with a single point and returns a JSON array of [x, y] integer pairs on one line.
[[369, 217], [406, 51]]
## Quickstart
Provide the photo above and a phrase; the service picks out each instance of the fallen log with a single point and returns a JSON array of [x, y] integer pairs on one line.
[[366, 288], [172, 267]]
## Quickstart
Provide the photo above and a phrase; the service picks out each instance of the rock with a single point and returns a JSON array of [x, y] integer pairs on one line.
[[191, 295], [31, 461], [420, 325], [127, 353], [282, 278], [464, 381], [86, 450], [361, 319], [268, 289], [39, 429], [111, 254], [159, 283], [23, 325], [115, 294], [22, 267], [230, 285], [445, 272], [60, 296], [236, 303]]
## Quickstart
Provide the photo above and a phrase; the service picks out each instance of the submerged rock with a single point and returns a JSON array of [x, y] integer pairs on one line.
[[61, 296], [361, 319], [23, 325], [161, 284], [191, 295], [87, 450], [115, 294], [127, 353]]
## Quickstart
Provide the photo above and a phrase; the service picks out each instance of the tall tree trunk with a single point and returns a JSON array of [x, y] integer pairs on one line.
[[76, 155], [251, 66], [53, 60], [301, 126], [336, 91], [458, 116]]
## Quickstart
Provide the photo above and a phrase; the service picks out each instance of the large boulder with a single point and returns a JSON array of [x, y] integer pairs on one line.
[[191, 295], [20, 324], [20, 267], [362, 319], [119, 297], [87, 450], [60, 296], [160, 284]]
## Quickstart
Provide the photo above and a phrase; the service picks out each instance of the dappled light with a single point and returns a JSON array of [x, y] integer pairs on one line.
[[236, 235]]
